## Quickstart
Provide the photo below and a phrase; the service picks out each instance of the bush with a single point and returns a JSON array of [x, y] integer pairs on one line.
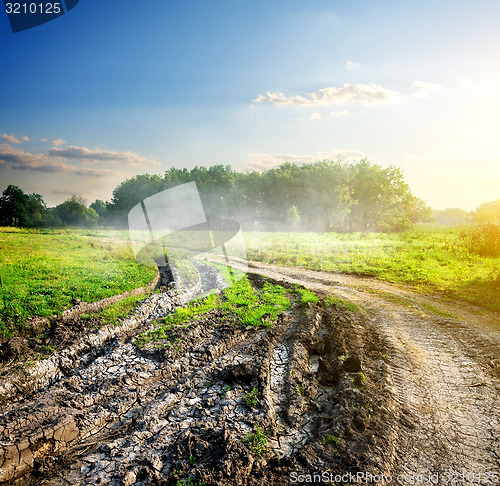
[[483, 240]]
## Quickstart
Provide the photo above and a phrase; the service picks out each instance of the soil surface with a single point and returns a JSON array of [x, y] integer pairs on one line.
[[405, 390]]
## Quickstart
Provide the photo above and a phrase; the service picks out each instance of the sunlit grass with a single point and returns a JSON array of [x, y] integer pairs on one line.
[[43, 270], [119, 310], [240, 304], [306, 295], [430, 260]]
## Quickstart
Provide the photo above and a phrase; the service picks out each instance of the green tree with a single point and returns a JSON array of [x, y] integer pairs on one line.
[[99, 207], [382, 199], [450, 216], [74, 212], [488, 212], [293, 217], [20, 209], [328, 195], [246, 201], [215, 186], [131, 192]]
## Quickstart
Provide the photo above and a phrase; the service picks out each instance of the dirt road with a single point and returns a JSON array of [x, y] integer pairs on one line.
[[407, 390], [443, 372]]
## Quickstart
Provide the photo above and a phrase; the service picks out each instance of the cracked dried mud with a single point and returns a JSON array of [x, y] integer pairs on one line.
[[395, 388]]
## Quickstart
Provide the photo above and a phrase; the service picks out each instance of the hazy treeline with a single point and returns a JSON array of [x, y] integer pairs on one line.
[[314, 197], [30, 211], [324, 196]]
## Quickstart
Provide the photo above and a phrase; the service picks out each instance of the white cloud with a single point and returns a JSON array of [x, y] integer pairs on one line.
[[9, 138], [263, 161], [315, 116], [16, 159], [260, 99], [423, 88], [70, 159], [349, 65], [349, 94], [97, 155]]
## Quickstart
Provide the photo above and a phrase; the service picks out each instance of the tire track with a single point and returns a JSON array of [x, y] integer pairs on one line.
[[428, 402], [443, 377]]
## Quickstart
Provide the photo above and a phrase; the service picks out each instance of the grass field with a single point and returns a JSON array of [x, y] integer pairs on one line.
[[43, 270], [435, 260]]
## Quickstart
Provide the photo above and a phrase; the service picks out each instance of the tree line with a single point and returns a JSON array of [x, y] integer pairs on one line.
[[324, 196]]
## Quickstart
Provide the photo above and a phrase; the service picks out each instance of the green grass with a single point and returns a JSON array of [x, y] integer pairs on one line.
[[253, 308], [306, 295], [113, 313], [251, 398], [240, 303], [341, 304], [42, 270], [330, 439], [258, 441], [431, 260]]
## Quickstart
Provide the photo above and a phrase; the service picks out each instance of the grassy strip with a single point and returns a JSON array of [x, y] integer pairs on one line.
[[41, 271], [429, 259], [241, 303], [252, 308], [306, 295], [341, 304], [117, 311]]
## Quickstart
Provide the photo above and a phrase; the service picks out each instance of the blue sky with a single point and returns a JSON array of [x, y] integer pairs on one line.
[[117, 88]]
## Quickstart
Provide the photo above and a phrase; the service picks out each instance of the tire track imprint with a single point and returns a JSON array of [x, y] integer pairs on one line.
[[390, 389]]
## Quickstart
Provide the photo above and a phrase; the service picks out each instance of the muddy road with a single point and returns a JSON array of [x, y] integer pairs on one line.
[[406, 389]]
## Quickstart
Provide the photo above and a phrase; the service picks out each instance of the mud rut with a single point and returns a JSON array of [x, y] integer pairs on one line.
[[106, 412]]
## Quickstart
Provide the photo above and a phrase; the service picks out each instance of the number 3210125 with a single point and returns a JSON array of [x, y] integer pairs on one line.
[[33, 8]]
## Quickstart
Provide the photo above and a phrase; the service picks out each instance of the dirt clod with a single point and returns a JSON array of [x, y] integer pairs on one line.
[[13, 348]]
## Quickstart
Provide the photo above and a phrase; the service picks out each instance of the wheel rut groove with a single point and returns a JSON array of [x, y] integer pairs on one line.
[[387, 390]]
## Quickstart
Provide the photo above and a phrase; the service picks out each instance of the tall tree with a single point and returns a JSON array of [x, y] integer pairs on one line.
[[488, 212], [20, 209], [99, 207], [131, 192], [327, 195]]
